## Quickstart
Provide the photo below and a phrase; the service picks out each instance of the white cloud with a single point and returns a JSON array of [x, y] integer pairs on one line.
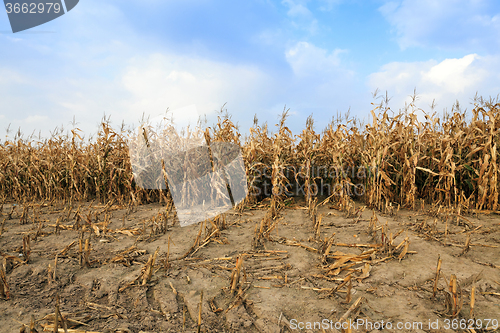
[[453, 24], [36, 119], [307, 59], [322, 84], [317, 83], [445, 82], [455, 75], [297, 9], [160, 81], [301, 17]]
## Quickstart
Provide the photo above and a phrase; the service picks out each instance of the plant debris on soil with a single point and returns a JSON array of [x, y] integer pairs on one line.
[[121, 270]]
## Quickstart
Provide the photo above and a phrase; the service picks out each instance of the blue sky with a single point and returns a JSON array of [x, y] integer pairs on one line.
[[126, 58]]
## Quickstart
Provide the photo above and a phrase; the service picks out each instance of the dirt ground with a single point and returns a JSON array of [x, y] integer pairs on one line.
[[287, 281]]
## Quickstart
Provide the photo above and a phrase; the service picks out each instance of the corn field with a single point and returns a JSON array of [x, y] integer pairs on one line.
[[394, 160]]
